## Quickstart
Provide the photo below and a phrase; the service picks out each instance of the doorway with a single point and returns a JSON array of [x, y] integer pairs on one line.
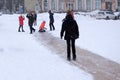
[[108, 5]]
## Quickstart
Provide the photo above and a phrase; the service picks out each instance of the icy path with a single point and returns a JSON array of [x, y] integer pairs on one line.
[[99, 67], [23, 58]]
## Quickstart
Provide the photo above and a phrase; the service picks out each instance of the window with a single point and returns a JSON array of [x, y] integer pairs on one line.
[[45, 5], [97, 4], [79, 4], [52, 4], [101, 13], [61, 5], [88, 5]]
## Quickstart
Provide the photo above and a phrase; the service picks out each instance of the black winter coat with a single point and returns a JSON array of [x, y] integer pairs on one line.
[[51, 17], [70, 28], [30, 19]]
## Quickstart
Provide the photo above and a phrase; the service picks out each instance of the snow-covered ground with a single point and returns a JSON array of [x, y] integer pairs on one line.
[[23, 58]]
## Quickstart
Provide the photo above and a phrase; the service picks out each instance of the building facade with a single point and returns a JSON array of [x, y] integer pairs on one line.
[[76, 5], [58, 5], [12, 6]]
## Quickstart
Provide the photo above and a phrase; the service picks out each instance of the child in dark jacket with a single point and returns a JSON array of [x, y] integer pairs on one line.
[[42, 27], [21, 23]]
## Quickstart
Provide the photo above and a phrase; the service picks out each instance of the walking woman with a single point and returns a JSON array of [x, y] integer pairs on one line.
[[70, 32], [51, 21]]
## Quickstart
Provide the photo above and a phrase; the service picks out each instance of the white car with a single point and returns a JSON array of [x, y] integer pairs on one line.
[[117, 14], [105, 15]]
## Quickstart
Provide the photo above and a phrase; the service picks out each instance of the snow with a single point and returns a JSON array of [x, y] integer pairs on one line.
[[24, 58]]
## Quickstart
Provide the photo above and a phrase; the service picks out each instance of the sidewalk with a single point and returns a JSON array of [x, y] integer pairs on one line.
[[99, 67]]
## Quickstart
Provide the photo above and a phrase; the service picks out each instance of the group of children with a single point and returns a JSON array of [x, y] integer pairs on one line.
[[42, 25], [21, 23]]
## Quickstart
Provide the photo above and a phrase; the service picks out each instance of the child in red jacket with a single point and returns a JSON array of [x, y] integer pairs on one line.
[[21, 23], [42, 27]]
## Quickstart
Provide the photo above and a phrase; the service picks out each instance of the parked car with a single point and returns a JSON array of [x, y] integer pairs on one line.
[[117, 14], [105, 15]]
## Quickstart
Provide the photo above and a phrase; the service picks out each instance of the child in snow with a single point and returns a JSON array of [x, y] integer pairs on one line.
[[21, 19], [42, 27]]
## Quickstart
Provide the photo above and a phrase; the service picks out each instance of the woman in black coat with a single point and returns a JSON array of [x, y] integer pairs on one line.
[[70, 28], [30, 22]]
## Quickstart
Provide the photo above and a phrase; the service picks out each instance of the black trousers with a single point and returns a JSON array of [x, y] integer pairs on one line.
[[31, 28], [20, 28], [51, 26], [71, 44]]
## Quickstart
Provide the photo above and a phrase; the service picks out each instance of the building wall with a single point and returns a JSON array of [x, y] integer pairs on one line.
[[112, 2], [63, 5], [29, 5]]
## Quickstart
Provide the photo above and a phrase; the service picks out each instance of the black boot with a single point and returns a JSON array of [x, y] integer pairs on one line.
[[23, 31], [74, 57], [19, 31], [68, 59]]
